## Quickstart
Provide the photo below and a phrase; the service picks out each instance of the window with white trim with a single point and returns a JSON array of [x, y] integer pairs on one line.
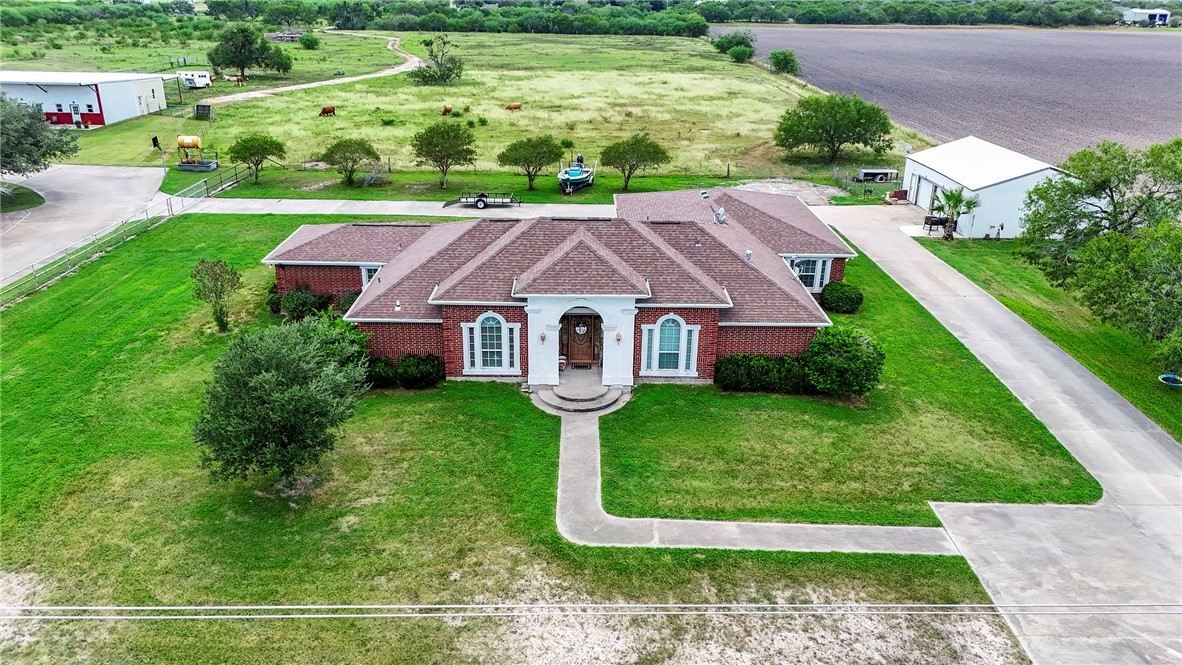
[[813, 273], [59, 107], [491, 345], [368, 273], [90, 108], [669, 347]]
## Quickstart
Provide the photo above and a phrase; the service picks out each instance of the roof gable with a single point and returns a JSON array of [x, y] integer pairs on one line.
[[783, 223], [346, 243], [581, 264], [975, 163]]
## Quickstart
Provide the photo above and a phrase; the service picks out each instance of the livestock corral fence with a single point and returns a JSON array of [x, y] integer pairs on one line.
[[55, 266], [868, 188]]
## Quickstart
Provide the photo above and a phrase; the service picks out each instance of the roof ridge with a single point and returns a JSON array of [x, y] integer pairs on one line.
[[580, 237], [798, 227], [705, 281], [485, 254], [315, 232]]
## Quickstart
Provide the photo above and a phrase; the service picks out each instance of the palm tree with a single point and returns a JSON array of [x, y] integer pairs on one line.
[[952, 204]]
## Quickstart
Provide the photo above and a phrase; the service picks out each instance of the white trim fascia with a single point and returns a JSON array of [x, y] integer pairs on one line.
[[476, 303], [587, 296], [351, 320], [684, 306], [354, 264], [267, 258], [786, 255], [746, 324]]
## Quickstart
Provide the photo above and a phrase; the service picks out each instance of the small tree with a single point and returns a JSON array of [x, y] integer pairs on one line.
[[784, 62], [741, 54], [444, 146], [28, 143], [277, 395], [214, 281], [442, 67], [240, 46], [634, 153], [309, 41], [531, 155], [349, 155], [725, 42], [831, 122], [254, 149], [953, 204]]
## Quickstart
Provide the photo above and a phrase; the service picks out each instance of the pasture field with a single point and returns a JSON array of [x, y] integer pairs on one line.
[[443, 496], [337, 53], [1118, 357], [708, 111], [940, 427], [1045, 93]]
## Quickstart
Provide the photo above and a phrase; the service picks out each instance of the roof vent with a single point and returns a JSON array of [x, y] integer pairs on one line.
[[704, 194], [697, 243], [750, 254], [720, 215], [397, 305]]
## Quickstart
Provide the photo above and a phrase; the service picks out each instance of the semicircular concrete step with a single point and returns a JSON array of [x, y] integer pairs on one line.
[[606, 399], [581, 393]]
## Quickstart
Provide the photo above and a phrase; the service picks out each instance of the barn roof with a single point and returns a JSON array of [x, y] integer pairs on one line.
[[976, 163], [8, 77]]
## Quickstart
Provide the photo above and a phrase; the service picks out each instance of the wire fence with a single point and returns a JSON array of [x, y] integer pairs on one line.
[[871, 189], [41, 273]]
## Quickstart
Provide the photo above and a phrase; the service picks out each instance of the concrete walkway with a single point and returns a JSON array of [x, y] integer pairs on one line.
[[1127, 548], [419, 208], [411, 62]]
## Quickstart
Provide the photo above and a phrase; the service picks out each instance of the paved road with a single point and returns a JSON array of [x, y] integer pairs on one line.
[[79, 201], [411, 62], [1127, 548], [421, 208]]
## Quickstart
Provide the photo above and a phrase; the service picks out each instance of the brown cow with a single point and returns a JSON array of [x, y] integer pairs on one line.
[[238, 80], [446, 110], [328, 110], [515, 106]]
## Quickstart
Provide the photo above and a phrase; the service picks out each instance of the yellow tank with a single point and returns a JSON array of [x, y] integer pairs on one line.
[[188, 141]]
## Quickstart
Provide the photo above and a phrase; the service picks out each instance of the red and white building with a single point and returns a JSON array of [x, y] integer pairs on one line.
[[87, 98], [676, 281]]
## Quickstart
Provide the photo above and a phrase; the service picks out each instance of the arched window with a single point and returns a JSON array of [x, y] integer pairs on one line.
[[669, 347], [491, 346]]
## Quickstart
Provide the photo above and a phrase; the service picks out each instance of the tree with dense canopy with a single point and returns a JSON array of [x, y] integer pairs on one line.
[[634, 153], [832, 122], [531, 155], [442, 66], [240, 46], [254, 149], [277, 395], [444, 146], [213, 283], [953, 204], [28, 143], [347, 156]]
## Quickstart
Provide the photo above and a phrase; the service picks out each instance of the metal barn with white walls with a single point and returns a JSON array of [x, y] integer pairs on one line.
[[997, 177], [87, 98]]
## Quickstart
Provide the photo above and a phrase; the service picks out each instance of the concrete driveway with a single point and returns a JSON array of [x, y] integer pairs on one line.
[[79, 201], [1125, 549]]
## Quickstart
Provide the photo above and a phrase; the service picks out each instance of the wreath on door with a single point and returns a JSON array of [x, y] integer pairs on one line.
[[581, 331]]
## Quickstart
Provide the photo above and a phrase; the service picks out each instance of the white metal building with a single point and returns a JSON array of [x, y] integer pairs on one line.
[[87, 98], [1152, 16], [999, 178]]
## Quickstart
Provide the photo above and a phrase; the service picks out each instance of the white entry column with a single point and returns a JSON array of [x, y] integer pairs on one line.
[[619, 317]]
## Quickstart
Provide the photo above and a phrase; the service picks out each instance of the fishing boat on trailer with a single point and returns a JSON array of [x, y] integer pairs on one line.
[[575, 176]]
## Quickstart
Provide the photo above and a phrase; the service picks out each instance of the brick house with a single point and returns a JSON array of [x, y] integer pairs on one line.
[[675, 281]]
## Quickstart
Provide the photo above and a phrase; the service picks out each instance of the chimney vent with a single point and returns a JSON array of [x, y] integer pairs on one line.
[[704, 194], [750, 254]]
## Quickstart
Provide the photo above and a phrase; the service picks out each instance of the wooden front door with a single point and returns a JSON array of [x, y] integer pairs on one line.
[[581, 339]]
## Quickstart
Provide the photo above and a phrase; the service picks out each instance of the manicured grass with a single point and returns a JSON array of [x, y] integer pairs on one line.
[[708, 111], [443, 496], [940, 427], [424, 186], [1119, 358], [18, 198]]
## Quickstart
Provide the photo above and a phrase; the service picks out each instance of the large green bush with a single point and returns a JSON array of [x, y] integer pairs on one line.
[[415, 372], [300, 303], [760, 373], [841, 297], [784, 62], [725, 42], [381, 372], [741, 54], [842, 360]]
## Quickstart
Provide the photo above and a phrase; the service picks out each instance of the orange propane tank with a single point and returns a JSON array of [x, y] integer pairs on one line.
[[189, 142]]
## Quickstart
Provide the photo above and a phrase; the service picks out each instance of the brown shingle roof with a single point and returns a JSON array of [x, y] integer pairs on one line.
[[566, 269], [346, 243]]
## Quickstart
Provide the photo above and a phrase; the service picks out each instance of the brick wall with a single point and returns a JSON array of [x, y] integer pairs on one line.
[[837, 270], [707, 335], [766, 340], [398, 339], [453, 335], [334, 280]]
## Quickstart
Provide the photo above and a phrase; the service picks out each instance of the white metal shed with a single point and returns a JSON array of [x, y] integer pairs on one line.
[[998, 177], [87, 98]]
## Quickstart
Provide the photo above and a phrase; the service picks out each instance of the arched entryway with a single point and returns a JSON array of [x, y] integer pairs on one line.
[[580, 347]]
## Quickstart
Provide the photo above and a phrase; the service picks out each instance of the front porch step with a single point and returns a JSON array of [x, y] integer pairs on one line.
[[606, 399], [581, 393]]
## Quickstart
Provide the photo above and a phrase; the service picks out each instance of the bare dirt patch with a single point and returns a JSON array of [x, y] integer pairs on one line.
[[809, 192], [1046, 93], [19, 589]]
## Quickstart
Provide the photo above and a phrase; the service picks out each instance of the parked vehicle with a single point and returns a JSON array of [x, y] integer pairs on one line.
[[877, 175], [575, 176], [483, 200], [193, 80]]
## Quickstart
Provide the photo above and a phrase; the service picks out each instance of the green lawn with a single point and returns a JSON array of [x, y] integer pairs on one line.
[[940, 427], [437, 497], [19, 198], [708, 111], [1119, 358]]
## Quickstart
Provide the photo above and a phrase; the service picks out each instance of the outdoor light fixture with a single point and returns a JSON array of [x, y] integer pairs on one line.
[[619, 337], [397, 305], [542, 335]]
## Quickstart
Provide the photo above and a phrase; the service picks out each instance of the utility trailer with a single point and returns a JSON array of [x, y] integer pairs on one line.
[[483, 200]]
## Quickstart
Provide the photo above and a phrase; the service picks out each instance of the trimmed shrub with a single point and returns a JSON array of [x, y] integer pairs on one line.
[[842, 360], [741, 54], [784, 62], [759, 373], [381, 372], [300, 303], [841, 298], [415, 372]]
